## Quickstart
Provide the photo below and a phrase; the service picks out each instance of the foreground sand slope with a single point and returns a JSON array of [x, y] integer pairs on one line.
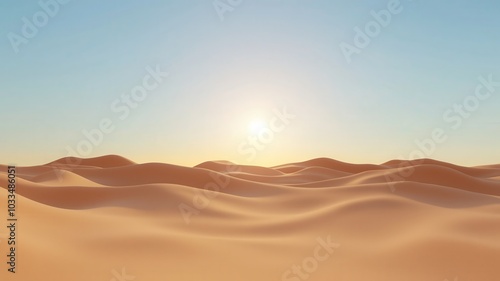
[[109, 218]]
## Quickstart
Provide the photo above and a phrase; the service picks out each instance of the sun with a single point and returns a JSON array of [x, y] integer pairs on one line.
[[256, 125]]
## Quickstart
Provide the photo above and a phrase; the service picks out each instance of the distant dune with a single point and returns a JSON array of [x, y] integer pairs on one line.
[[111, 219]]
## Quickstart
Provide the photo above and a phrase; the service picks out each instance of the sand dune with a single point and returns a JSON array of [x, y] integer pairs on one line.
[[109, 218]]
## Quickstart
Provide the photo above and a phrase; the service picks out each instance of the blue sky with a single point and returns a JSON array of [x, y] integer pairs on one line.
[[228, 70]]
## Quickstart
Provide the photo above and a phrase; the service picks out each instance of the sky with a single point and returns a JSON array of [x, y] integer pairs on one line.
[[260, 82]]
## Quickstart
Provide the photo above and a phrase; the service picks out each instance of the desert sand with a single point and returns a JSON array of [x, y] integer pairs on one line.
[[111, 219]]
